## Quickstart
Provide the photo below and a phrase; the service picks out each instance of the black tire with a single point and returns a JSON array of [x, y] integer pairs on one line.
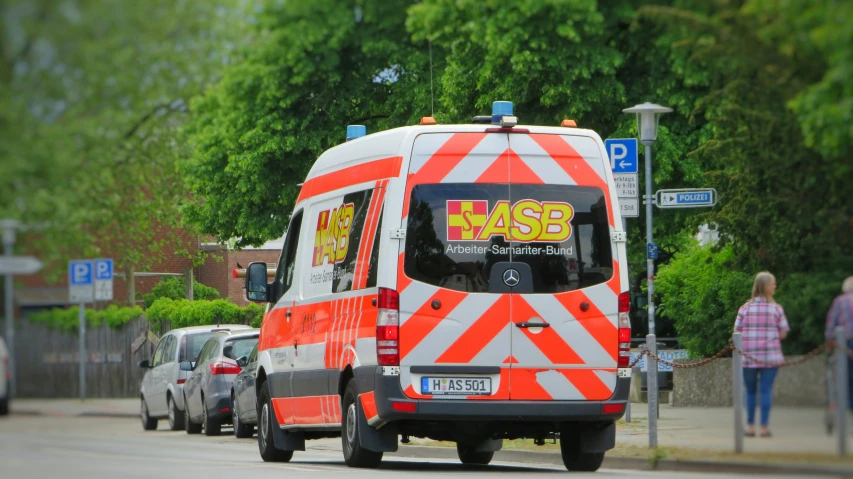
[[148, 423], [575, 460], [241, 430], [469, 456], [266, 421], [354, 454], [189, 425], [176, 418], [212, 427]]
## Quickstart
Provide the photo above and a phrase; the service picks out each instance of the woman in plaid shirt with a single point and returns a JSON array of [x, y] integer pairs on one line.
[[763, 325]]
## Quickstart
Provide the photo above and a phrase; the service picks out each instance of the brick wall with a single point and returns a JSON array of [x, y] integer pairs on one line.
[[244, 257]]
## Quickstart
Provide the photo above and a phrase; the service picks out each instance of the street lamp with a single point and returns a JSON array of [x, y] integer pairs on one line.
[[648, 115]]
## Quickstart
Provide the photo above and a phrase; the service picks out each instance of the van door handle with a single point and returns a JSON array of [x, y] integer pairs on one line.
[[527, 324]]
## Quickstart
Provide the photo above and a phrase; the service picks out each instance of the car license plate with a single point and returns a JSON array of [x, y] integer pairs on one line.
[[446, 386]]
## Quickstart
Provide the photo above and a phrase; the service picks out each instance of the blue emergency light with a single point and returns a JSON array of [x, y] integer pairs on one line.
[[356, 131], [500, 109]]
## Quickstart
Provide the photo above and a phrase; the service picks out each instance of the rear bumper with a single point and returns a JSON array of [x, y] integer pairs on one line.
[[387, 392], [219, 407]]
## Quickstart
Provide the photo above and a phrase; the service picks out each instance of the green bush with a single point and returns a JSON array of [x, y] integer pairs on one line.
[[182, 313], [806, 298], [67, 319], [172, 287], [701, 292]]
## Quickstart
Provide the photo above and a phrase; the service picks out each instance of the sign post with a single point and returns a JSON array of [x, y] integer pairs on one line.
[[81, 290]]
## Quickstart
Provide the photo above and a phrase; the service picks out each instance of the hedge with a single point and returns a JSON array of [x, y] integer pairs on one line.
[[173, 288], [67, 319]]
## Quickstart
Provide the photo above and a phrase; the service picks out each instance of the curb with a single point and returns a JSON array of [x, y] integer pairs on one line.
[[634, 463], [31, 413]]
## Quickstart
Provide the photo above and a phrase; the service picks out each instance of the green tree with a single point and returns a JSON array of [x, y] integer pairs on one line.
[[173, 288]]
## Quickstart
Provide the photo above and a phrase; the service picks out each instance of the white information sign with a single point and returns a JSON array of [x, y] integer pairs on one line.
[[627, 185], [629, 207]]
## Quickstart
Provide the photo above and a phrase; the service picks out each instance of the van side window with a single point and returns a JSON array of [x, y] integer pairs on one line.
[[287, 262], [345, 269], [373, 266]]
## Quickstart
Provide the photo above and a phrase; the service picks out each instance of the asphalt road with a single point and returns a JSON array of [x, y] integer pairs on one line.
[[95, 447]]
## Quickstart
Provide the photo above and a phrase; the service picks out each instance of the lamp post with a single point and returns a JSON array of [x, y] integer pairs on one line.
[[648, 115]]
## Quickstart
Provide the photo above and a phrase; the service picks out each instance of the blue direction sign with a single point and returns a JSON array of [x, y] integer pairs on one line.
[[623, 154], [80, 281], [686, 198], [652, 250]]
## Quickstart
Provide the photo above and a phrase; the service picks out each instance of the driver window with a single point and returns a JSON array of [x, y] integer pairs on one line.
[[287, 262], [253, 356], [158, 354]]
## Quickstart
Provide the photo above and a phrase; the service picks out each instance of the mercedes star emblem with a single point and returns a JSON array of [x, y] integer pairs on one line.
[[511, 277]]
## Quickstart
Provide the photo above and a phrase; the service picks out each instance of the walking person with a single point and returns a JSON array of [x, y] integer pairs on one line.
[[841, 314], [763, 325]]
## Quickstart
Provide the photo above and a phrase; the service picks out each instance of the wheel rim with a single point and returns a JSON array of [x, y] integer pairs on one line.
[[234, 418], [204, 418], [265, 423], [171, 412], [351, 424], [186, 412], [143, 411]]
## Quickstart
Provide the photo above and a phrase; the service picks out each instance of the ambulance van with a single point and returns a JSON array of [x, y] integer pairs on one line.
[[462, 283]]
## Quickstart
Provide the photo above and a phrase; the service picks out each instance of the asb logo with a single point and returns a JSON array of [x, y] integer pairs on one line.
[[526, 221], [331, 241]]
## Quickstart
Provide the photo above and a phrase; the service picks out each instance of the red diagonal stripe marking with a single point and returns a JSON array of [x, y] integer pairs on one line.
[[425, 319], [447, 157], [523, 385], [497, 172], [573, 164], [588, 383], [402, 279], [593, 320], [548, 341], [614, 282], [520, 172], [479, 334]]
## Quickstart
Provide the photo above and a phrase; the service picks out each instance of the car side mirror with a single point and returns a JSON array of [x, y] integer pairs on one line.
[[144, 364], [256, 282], [242, 361], [186, 366]]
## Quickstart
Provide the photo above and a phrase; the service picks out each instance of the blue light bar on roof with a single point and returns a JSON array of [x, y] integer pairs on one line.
[[356, 131], [499, 110]]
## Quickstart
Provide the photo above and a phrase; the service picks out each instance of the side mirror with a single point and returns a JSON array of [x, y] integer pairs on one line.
[[186, 366], [256, 282], [144, 364], [242, 361]]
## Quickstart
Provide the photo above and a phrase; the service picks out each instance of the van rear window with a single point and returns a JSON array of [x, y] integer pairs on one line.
[[456, 232]]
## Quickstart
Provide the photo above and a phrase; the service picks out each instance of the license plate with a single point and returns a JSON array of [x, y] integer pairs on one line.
[[446, 386]]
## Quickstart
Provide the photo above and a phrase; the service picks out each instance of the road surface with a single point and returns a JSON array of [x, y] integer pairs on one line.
[[97, 447]]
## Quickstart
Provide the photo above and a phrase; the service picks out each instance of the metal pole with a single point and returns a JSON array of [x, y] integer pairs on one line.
[[650, 263], [8, 244], [651, 387], [737, 391], [82, 351], [841, 387]]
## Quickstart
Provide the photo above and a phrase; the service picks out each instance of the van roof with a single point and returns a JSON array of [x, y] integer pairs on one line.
[[385, 144]]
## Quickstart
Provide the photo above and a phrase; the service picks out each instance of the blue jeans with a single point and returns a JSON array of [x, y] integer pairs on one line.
[[759, 380]]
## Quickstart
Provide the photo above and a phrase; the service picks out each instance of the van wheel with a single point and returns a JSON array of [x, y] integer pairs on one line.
[[148, 422], [354, 454], [176, 418], [266, 443], [240, 430], [189, 425], [468, 455], [212, 427], [575, 460]]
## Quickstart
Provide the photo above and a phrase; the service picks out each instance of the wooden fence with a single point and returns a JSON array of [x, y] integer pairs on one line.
[[47, 360]]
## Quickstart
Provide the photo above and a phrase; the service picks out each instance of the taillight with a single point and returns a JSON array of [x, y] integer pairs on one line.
[[624, 330], [224, 367], [388, 328], [181, 381]]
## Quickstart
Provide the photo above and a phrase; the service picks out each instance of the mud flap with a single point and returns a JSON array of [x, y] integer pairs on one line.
[[591, 437], [287, 440], [372, 439]]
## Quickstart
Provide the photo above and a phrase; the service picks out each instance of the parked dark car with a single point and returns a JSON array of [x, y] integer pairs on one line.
[[207, 392], [244, 412]]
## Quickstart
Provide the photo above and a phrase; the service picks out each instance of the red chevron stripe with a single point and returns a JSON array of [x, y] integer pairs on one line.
[[479, 334]]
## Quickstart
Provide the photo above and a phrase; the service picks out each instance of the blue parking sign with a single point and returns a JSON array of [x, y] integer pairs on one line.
[[623, 154], [80, 273], [103, 269]]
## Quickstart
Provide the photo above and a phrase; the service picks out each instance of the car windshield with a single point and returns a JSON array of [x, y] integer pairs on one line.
[[238, 348], [194, 344]]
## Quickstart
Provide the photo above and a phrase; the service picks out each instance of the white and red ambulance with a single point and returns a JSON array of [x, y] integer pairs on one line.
[[462, 283]]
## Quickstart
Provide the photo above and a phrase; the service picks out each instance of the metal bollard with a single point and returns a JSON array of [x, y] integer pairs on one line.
[[737, 391], [841, 388], [652, 390]]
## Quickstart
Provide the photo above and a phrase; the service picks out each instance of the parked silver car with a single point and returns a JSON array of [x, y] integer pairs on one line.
[[207, 392], [161, 393], [244, 409]]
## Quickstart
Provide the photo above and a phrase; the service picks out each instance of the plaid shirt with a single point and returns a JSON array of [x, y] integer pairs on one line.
[[761, 322], [840, 314]]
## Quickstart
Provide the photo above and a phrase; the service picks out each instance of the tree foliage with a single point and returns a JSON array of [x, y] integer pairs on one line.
[[173, 288], [182, 313]]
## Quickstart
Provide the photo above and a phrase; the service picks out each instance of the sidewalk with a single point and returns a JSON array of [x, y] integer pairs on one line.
[[74, 407]]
